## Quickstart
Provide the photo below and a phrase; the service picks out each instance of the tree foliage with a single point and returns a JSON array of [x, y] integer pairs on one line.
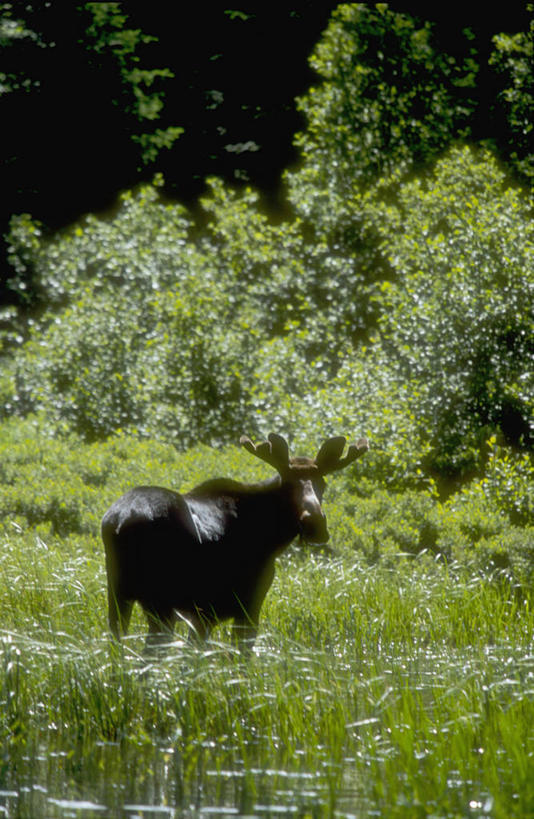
[[512, 58], [82, 108], [106, 46], [97, 97], [388, 101], [397, 302], [459, 321]]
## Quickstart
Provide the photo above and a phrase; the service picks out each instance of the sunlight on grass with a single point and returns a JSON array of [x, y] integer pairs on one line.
[[406, 691]]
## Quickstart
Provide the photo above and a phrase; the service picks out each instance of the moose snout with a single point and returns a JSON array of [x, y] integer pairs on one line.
[[313, 527], [312, 519]]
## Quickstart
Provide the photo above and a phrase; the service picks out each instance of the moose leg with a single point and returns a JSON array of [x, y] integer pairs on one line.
[[245, 627], [246, 623], [199, 628], [160, 628], [244, 631], [119, 613]]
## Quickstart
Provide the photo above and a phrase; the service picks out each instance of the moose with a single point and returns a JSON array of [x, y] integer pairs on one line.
[[209, 555]]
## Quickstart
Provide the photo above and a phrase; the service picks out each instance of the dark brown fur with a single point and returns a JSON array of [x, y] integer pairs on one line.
[[209, 555]]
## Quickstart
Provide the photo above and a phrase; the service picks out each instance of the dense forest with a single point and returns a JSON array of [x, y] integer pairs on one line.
[[380, 285]]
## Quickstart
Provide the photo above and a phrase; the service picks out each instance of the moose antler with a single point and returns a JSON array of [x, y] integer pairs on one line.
[[329, 456], [274, 451]]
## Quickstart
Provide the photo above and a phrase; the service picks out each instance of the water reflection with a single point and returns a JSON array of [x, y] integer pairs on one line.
[[101, 785]]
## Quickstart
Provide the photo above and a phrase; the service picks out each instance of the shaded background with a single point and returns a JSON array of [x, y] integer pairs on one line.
[[66, 130]]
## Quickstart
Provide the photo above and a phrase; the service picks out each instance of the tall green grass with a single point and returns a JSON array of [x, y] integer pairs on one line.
[[404, 689], [395, 678]]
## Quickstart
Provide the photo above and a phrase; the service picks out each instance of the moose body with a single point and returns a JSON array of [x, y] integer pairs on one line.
[[209, 555]]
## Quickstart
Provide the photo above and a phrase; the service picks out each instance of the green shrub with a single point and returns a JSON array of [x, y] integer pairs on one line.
[[458, 325], [168, 366], [509, 554], [137, 252], [63, 486], [508, 483], [257, 327], [39, 486], [59, 490], [476, 529], [469, 530], [388, 100], [393, 524]]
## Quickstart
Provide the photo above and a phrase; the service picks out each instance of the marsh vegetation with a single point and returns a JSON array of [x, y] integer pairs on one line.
[[401, 685]]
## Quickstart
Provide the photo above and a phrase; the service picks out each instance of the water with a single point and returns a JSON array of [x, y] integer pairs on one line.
[[161, 793], [86, 789], [398, 735]]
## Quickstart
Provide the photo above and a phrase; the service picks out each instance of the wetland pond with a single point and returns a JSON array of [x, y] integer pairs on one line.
[[426, 732]]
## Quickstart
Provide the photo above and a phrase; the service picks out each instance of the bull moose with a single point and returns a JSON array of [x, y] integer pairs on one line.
[[209, 555]]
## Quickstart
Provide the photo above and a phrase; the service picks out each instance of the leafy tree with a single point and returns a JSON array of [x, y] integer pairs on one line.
[[450, 362], [513, 59], [140, 92], [168, 367], [397, 302], [388, 100], [291, 285], [458, 323], [92, 95], [156, 332], [138, 251], [37, 48], [140, 334]]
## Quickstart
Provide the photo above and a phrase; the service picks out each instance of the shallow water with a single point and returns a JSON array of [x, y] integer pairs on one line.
[[45, 791], [159, 777], [256, 792]]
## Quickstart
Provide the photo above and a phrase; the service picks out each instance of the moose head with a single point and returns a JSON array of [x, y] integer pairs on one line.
[[306, 476]]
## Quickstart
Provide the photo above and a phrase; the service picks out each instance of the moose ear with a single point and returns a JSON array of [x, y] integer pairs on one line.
[[329, 457], [262, 450]]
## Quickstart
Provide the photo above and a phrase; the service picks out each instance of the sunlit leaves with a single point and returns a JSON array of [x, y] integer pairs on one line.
[[459, 322], [138, 250], [141, 89], [393, 305], [513, 58], [259, 326], [386, 102]]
